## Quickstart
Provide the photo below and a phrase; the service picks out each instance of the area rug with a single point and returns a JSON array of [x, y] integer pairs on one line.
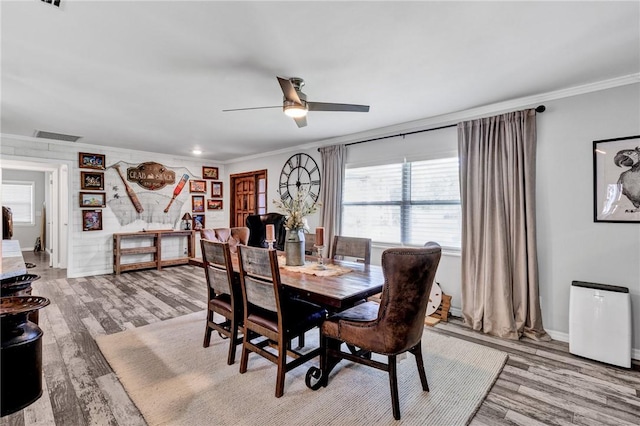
[[173, 380]]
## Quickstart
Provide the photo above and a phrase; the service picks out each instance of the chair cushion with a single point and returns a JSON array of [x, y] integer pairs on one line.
[[221, 303], [362, 313], [263, 318], [298, 316]]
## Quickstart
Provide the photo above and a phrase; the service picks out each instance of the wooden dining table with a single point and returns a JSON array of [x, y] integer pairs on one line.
[[334, 293]]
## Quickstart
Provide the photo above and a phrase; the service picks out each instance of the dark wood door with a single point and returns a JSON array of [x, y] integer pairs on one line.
[[248, 197]]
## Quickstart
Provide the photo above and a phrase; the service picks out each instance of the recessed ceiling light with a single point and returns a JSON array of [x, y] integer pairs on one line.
[[196, 152]]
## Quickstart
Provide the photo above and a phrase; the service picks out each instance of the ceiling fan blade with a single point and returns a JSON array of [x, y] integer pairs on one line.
[[324, 106], [245, 109], [289, 91], [301, 121]]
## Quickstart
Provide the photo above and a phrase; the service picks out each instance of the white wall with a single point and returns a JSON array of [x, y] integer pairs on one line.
[[27, 234], [273, 163], [91, 252], [570, 245]]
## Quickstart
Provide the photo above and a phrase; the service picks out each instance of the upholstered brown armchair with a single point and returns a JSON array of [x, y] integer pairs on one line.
[[233, 236], [257, 224], [390, 328]]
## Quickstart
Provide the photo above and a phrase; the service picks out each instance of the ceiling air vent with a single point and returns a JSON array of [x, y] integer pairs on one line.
[[53, 2], [56, 136]]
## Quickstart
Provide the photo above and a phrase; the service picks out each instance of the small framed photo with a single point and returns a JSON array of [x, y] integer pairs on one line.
[[209, 173], [197, 203], [198, 186], [214, 204], [91, 220], [198, 221], [91, 161], [216, 189], [92, 180], [93, 199], [616, 180]]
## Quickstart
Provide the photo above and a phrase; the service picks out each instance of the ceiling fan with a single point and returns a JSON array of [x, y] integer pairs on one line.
[[295, 103]]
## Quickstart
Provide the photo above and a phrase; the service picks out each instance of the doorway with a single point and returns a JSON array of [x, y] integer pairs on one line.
[[249, 196], [56, 206]]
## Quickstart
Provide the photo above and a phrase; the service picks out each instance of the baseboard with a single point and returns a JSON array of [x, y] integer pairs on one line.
[[555, 335], [564, 337]]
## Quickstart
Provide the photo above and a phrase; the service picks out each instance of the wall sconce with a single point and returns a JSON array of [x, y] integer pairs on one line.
[[187, 221]]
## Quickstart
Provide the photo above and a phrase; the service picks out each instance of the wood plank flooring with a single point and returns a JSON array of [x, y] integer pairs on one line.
[[542, 384]]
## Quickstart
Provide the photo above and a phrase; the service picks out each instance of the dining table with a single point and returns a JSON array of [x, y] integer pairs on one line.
[[357, 281]]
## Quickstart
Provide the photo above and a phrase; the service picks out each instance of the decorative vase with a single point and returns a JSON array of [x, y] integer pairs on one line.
[[294, 247]]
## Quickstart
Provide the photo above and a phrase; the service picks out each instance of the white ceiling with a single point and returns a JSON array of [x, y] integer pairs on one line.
[[155, 76]]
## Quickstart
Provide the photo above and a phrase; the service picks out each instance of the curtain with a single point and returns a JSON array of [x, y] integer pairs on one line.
[[499, 253], [332, 158]]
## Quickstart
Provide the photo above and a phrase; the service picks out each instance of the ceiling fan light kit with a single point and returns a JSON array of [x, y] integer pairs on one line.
[[295, 103], [293, 110]]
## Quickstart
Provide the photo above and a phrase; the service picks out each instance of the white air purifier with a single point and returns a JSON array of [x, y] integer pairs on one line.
[[600, 323]]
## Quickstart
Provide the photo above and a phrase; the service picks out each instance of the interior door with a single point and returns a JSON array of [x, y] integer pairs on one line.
[[248, 197]]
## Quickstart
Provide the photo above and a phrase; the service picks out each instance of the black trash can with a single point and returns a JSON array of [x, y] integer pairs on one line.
[[20, 354]]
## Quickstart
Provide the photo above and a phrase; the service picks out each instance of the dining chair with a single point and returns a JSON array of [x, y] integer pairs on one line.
[[309, 242], [271, 314], [233, 236], [359, 248], [390, 328], [224, 296], [257, 224]]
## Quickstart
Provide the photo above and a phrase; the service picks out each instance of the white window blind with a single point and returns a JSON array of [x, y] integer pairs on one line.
[[408, 203], [18, 196]]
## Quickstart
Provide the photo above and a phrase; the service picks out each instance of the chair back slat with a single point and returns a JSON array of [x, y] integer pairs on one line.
[[217, 261], [218, 281], [309, 243], [260, 293], [359, 248], [259, 268]]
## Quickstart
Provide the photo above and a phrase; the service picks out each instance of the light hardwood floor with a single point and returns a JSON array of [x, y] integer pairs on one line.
[[541, 384]]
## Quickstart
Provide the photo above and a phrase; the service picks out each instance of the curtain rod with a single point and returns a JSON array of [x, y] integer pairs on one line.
[[539, 109]]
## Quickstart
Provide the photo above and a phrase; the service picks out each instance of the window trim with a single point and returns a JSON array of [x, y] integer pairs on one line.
[[406, 202]]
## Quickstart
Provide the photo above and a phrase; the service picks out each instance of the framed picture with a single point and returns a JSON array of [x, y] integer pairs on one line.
[[92, 180], [197, 203], [214, 204], [91, 220], [209, 172], [198, 186], [198, 221], [91, 161], [616, 180], [93, 199], [216, 189]]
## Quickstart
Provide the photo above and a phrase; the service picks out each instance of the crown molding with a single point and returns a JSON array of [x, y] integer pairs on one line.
[[486, 110]]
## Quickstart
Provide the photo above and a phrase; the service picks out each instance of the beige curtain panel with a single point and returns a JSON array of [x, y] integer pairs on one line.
[[332, 159], [499, 254]]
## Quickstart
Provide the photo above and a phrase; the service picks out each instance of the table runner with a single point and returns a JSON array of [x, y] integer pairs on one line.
[[310, 268]]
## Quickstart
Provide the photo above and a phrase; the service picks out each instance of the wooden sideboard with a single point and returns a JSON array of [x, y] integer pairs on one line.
[[154, 248]]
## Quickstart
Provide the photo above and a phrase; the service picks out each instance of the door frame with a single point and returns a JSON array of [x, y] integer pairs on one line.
[[57, 205], [232, 184]]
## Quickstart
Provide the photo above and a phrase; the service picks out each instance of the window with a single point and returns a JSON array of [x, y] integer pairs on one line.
[[409, 203], [19, 197]]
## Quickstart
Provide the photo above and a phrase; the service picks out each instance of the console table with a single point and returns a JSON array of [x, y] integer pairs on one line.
[[154, 248]]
